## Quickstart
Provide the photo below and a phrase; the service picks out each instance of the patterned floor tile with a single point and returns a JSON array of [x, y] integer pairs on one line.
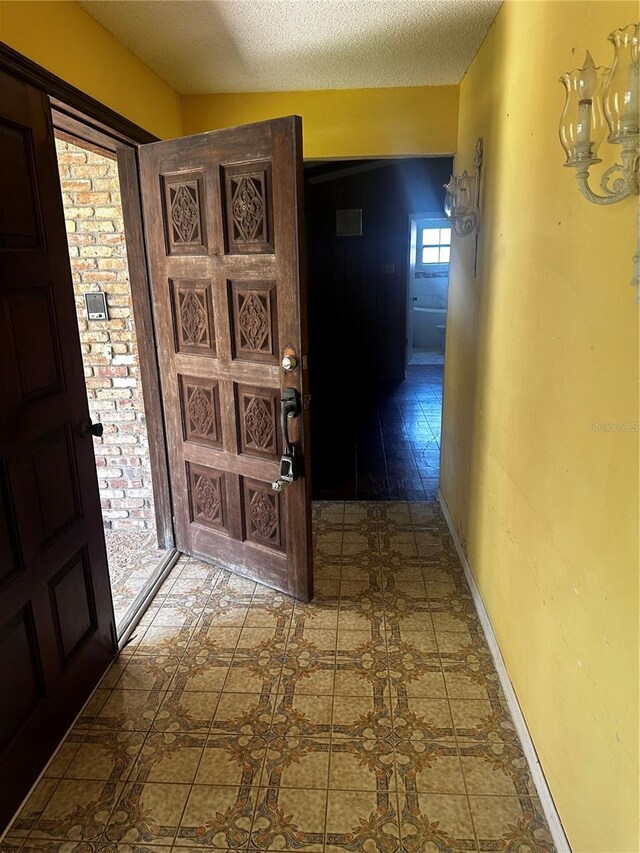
[[217, 817], [43, 846], [202, 674], [169, 757], [362, 765], [423, 719], [482, 720], [77, 811], [133, 710], [370, 720], [33, 808], [161, 640], [362, 820], [289, 818], [186, 711], [105, 755], [436, 822], [148, 672], [232, 759], [510, 823], [243, 713], [11, 844], [65, 753], [298, 715], [429, 767], [297, 762], [147, 812], [111, 847]]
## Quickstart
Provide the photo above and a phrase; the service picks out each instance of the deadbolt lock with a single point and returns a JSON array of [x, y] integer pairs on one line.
[[289, 359]]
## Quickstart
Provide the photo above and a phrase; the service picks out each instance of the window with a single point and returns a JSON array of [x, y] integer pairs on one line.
[[435, 245]]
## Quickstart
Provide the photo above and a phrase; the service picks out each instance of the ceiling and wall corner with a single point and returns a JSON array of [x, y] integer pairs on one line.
[[388, 117], [65, 40]]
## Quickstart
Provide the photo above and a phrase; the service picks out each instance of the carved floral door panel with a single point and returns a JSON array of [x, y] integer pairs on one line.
[[223, 222]]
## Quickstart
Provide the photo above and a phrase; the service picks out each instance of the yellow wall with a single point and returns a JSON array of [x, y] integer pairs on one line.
[[343, 122], [542, 345], [64, 39]]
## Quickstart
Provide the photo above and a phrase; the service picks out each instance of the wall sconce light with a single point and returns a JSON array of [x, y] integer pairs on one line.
[[597, 98], [462, 201]]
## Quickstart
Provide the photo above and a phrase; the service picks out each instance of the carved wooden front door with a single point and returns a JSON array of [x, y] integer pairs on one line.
[[223, 222], [56, 618]]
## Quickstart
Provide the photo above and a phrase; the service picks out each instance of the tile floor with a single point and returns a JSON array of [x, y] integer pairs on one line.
[[369, 720], [384, 448], [426, 355], [133, 557]]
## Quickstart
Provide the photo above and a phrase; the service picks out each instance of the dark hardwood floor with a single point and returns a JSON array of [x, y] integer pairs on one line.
[[382, 445]]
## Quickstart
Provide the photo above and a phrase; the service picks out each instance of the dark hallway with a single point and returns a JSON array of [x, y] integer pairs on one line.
[[386, 447], [375, 423]]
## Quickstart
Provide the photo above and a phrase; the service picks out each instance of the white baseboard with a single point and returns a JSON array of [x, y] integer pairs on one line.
[[537, 773]]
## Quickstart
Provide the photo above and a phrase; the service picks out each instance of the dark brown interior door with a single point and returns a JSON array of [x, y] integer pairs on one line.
[[223, 221], [56, 618]]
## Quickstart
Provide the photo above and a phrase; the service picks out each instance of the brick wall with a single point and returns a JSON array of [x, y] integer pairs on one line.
[[95, 231]]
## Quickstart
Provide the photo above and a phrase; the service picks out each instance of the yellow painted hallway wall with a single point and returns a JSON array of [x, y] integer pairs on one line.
[[343, 122], [67, 41], [540, 442]]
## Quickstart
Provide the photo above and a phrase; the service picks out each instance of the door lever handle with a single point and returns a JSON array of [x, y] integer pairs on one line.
[[290, 408]]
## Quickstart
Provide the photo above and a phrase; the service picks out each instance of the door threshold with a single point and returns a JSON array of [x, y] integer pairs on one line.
[[146, 595]]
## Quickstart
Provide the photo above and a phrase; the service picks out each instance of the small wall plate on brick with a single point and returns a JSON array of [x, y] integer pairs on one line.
[[96, 305]]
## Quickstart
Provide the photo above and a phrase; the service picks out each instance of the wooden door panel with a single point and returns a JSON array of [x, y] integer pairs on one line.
[[257, 416], [56, 618], [72, 605], [19, 651], [37, 356], [20, 221], [192, 315], [200, 410], [248, 193], [254, 321], [223, 235]]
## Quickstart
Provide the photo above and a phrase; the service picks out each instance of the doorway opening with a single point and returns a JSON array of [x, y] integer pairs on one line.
[[375, 257], [89, 182], [427, 288]]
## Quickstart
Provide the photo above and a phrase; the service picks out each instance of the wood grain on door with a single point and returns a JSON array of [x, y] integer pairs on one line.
[[224, 223]]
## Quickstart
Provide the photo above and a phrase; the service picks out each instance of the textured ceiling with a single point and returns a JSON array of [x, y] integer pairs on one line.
[[202, 46]]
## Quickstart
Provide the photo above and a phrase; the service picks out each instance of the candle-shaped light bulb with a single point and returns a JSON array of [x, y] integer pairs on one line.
[[587, 82], [583, 129], [588, 79], [448, 200]]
